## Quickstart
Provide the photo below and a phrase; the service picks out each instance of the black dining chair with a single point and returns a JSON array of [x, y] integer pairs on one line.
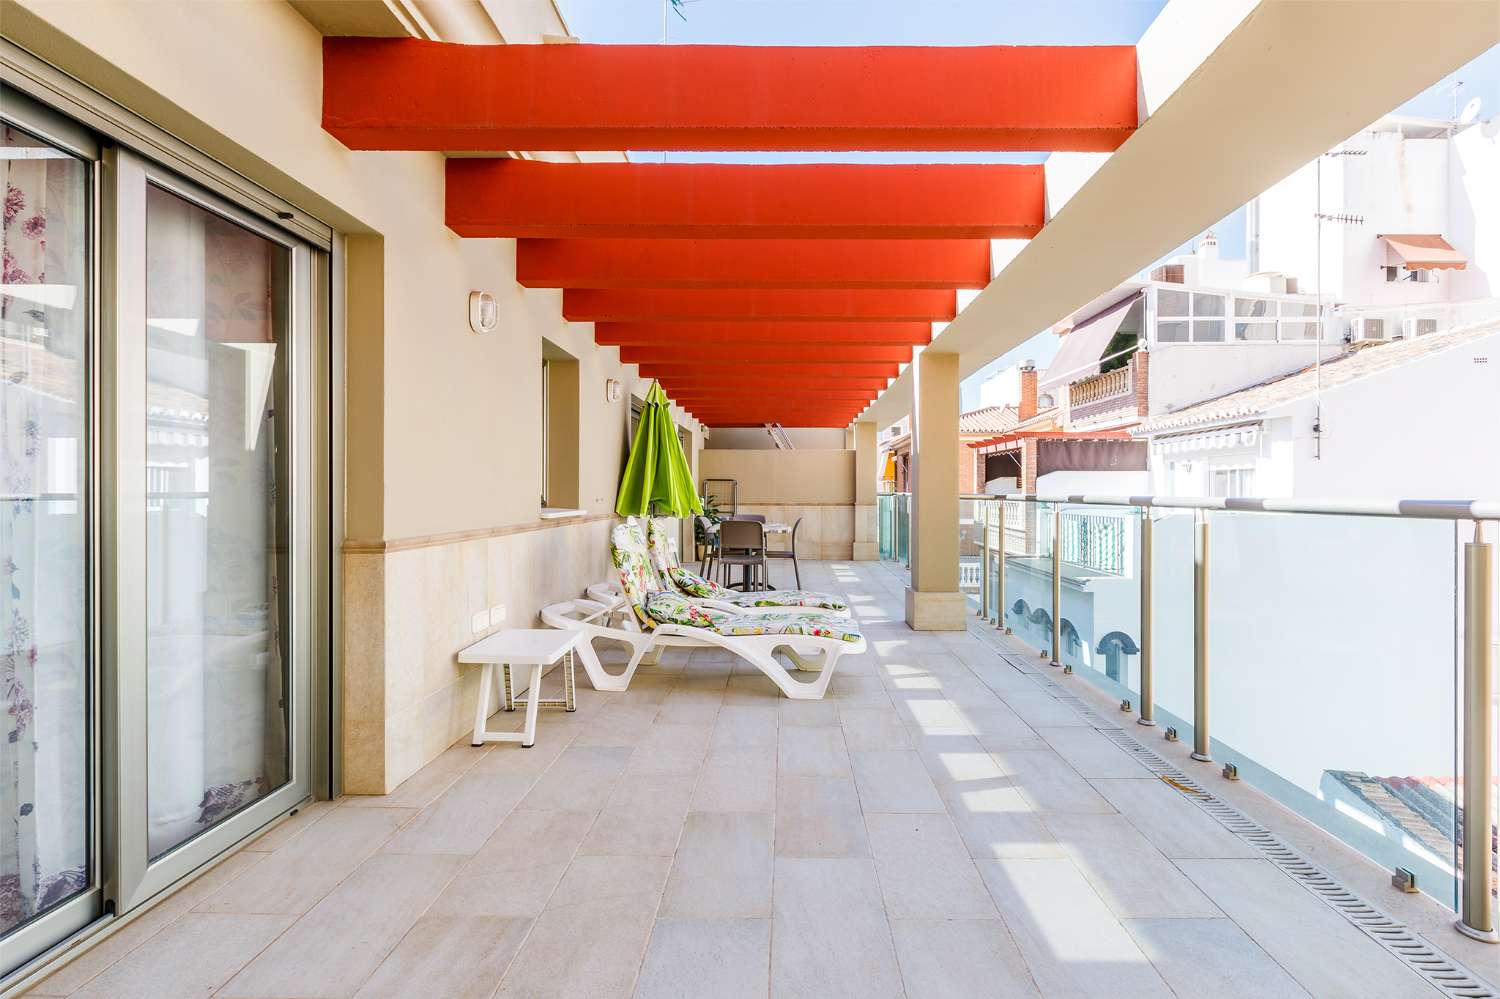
[[743, 543], [790, 552]]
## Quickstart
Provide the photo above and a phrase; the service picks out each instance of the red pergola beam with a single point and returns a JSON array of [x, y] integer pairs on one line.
[[753, 263], [530, 198], [732, 333], [787, 353], [776, 304], [739, 388], [772, 371], [409, 94]]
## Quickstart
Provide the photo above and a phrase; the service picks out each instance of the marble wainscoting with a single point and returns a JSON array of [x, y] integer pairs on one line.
[[409, 607], [827, 530]]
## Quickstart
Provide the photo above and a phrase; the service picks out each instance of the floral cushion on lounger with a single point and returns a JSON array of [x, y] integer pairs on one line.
[[662, 546], [627, 550], [670, 607], [787, 623], [788, 598], [695, 585]]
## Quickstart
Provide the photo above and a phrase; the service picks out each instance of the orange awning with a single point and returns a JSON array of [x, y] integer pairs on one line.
[[1422, 252], [890, 468]]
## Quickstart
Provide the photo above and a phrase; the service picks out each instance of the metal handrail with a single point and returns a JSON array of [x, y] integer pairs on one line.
[[1455, 509]]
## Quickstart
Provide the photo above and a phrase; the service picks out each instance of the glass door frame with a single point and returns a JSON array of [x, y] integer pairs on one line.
[[131, 877], [66, 918]]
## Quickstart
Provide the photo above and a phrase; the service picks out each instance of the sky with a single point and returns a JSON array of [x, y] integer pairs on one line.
[[942, 22]]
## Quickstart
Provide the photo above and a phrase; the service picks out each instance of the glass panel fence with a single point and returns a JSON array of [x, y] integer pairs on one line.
[[1028, 572], [970, 548], [885, 511], [1099, 551], [1333, 679], [1172, 538]]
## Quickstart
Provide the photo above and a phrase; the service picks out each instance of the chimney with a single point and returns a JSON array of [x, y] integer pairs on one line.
[[1026, 409]]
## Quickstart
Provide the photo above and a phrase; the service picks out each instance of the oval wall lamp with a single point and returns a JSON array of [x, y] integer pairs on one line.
[[612, 390], [484, 312]]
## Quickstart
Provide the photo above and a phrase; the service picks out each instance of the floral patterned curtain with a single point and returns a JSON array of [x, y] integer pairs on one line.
[[43, 666]]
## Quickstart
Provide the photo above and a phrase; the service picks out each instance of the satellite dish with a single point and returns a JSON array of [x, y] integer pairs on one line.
[[1470, 112]]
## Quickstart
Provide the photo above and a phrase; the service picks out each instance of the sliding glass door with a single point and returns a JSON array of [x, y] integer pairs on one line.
[[157, 535], [209, 413], [47, 787]]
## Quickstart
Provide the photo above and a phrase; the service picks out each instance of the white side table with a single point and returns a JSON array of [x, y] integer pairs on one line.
[[534, 647]]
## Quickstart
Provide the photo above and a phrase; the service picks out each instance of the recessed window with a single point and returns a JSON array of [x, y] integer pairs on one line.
[[1231, 481]]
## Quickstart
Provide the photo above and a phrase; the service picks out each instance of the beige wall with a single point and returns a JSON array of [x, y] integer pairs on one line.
[[442, 444], [783, 486]]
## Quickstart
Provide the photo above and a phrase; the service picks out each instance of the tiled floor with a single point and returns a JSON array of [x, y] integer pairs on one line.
[[939, 826]]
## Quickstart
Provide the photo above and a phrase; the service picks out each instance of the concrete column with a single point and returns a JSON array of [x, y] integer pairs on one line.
[[933, 600], [866, 542]]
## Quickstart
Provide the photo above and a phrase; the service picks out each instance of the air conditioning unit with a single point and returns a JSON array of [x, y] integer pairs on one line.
[[1411, 328], [1367, 328]]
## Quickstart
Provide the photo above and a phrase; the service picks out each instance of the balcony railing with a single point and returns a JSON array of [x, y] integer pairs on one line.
[[1351, 648], [1102, 392]]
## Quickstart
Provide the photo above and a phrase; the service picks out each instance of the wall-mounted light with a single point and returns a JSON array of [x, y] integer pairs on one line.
[[484, 312], [612, 390]]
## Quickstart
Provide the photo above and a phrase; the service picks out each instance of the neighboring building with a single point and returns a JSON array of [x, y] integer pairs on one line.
[[975, 425], [1360, 424]]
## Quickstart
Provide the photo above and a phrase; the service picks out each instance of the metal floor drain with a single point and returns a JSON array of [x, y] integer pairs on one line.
[[1438, 968]]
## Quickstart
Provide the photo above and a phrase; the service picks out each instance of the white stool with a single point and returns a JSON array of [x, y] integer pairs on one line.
[[537, 648]]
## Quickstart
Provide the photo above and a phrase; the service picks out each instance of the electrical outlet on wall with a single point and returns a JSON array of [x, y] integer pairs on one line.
[[481, 621], [497, 614]]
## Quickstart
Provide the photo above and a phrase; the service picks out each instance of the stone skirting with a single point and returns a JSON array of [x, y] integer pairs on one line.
[[409, 609]]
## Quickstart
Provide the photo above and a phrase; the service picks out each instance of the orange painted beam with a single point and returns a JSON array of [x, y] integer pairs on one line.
[[737, 387], [529, 198], [773, 370], [789, 353], [777, 304], [753, 263], [409, 94], [708, 400], [643, 334]]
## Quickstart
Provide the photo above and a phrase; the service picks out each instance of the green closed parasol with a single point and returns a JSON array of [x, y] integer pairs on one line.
[[657, 480]]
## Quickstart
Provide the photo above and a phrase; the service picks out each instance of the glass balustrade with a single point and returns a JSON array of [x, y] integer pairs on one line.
[[1325, 662]]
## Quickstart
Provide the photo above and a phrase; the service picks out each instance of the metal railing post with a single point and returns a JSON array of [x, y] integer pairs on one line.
[[1200, 641], [1056, 584], [984, 559], [1000, 570], [1148, 693], [1477, 906]]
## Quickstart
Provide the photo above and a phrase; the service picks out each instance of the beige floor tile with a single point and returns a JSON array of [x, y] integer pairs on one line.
[[894, 781], [73, 975], [422, 787], [1130, 874], [1212, 959], [1174, 825], [293, 878], [463, 817], [591, 952], [737, 780], [808, 751], [1051, 784], [456, 957], [670, 749], [1071, 941], [873, 728], [925, 870], [191, 957], [722, 958], [722, 868], [996, 821], [592, 880], [1318, 947], [829, 934], [580, 781], [284, 831], [1040, 709], [741, 726], [795, 714], [1090, 753], [619, 724], [955, 758], [332, 949], [644, 816], [518, 868], [819, 817], [949, 958], [513, 758], [999, 728]]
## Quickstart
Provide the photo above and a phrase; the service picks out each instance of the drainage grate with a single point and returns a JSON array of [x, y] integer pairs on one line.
[[1437, 967]]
